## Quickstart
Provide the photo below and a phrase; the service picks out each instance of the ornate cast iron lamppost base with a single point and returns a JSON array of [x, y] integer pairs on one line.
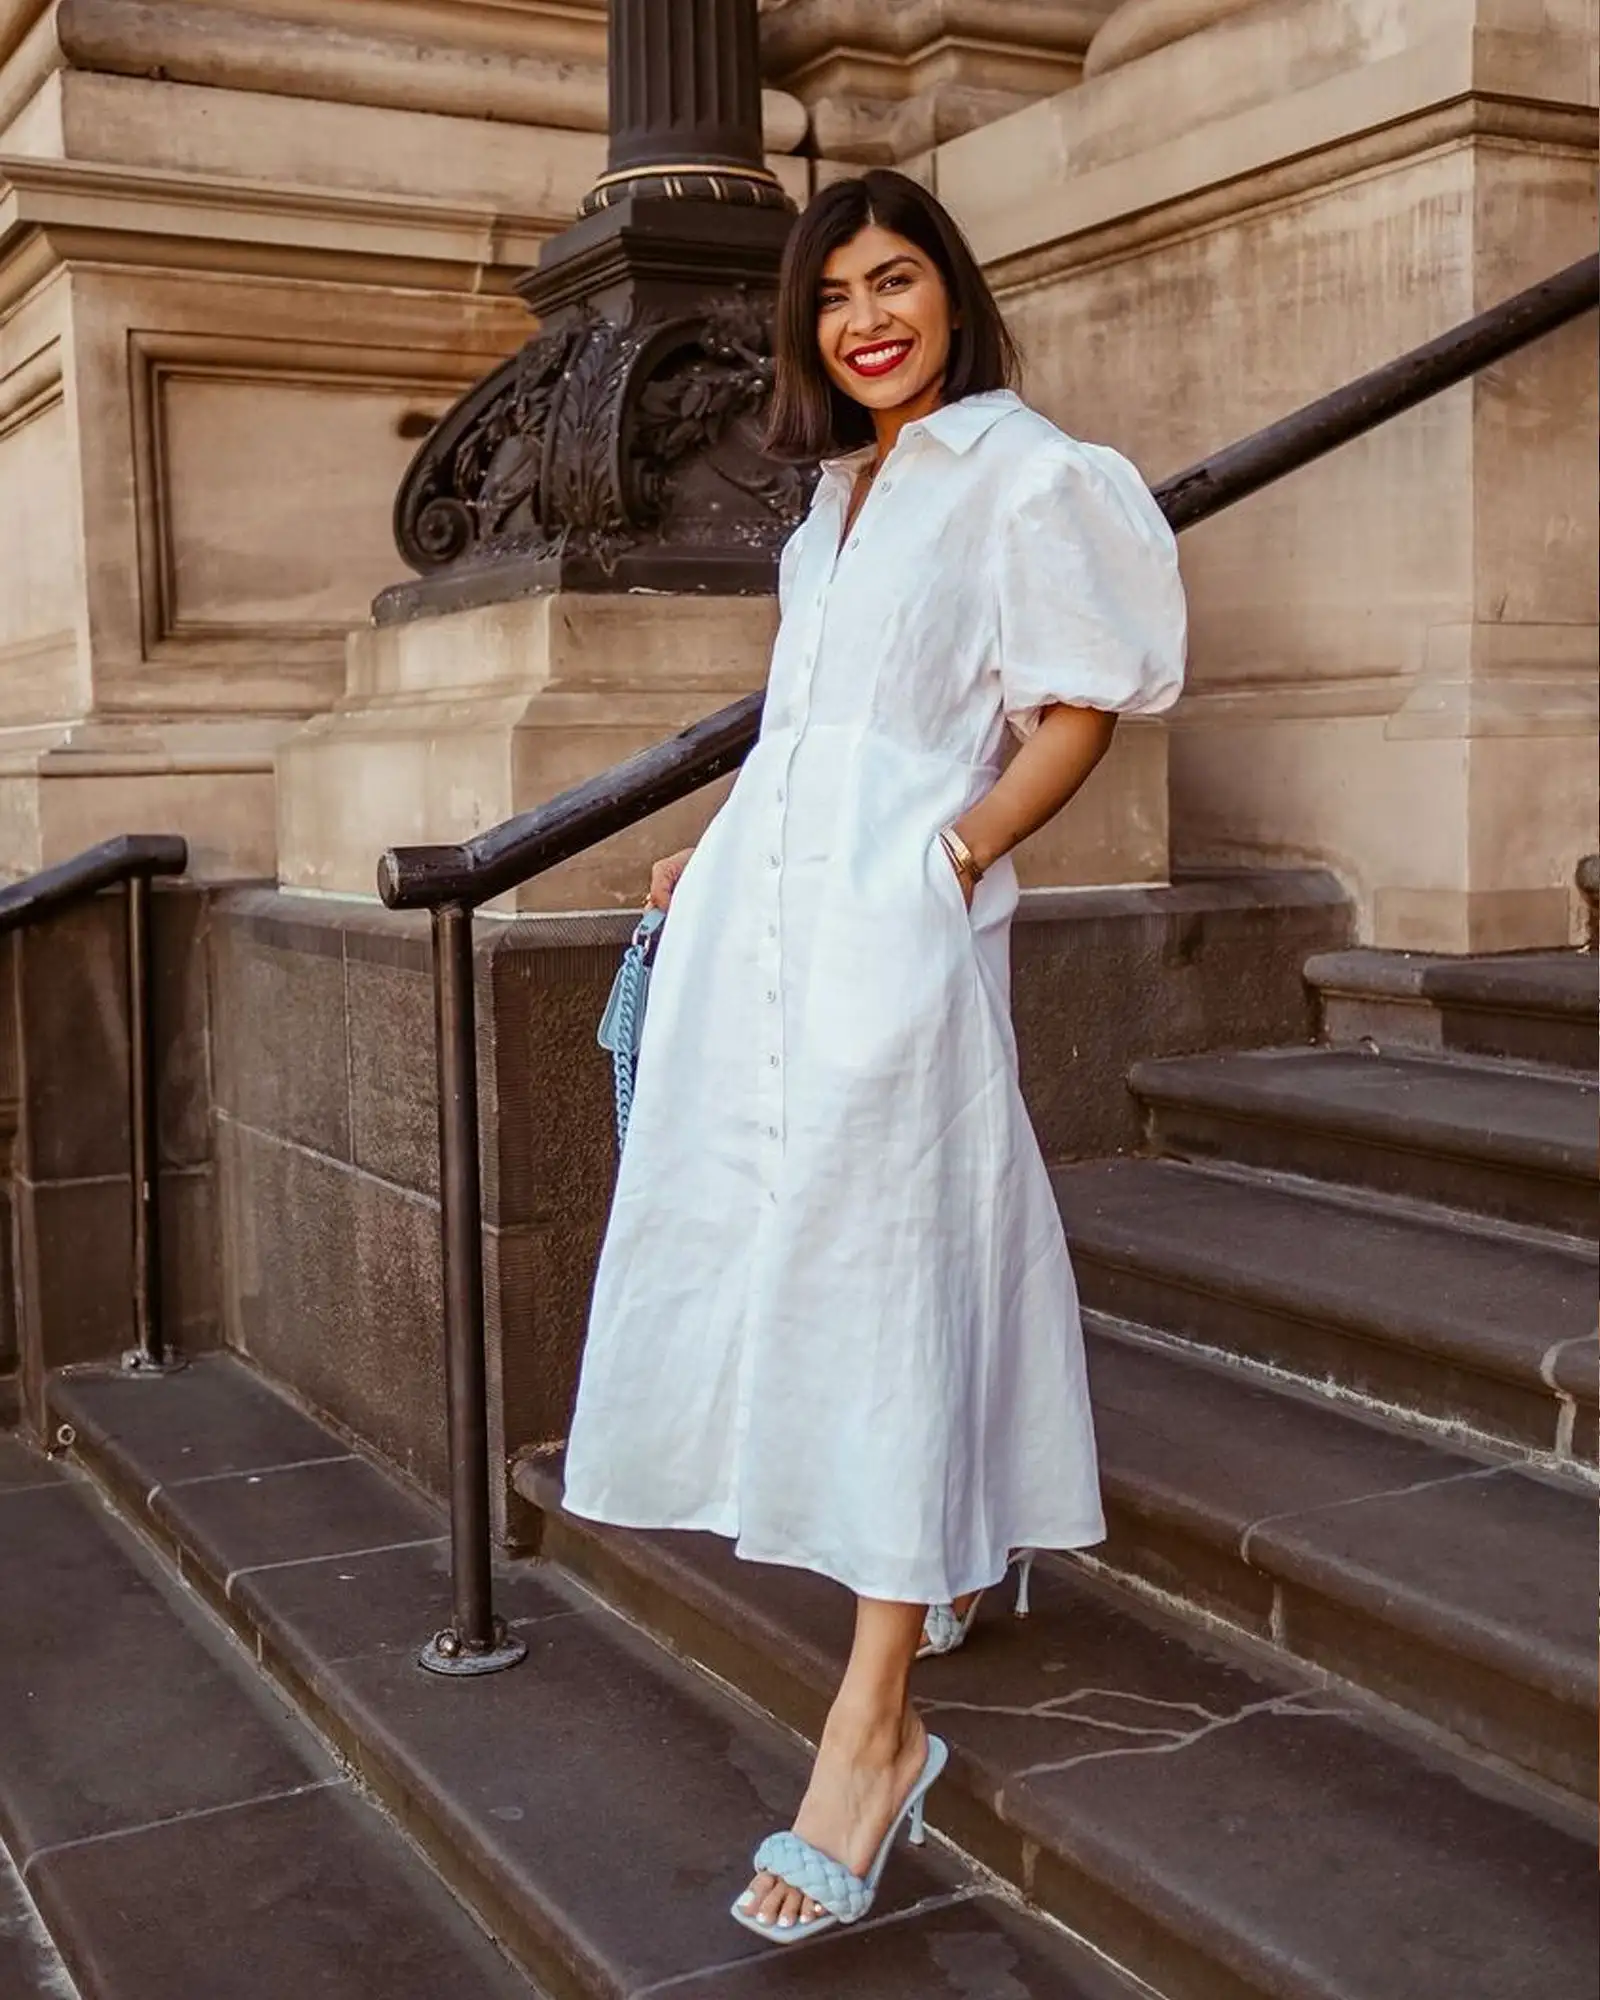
[[621, 448]]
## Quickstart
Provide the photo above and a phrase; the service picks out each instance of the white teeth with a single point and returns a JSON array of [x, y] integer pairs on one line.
[[877, 356]]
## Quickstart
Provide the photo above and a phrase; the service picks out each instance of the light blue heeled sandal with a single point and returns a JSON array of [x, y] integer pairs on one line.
[[944, 1632], [844, 1897]]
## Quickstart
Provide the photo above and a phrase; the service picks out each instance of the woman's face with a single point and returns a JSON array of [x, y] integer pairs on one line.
[[883, 322]]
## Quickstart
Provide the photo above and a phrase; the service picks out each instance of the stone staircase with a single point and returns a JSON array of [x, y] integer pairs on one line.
[[1319, 1718], [1315, 1723]]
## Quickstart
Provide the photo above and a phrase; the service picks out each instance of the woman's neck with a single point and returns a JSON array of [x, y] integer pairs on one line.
[[888, 424]]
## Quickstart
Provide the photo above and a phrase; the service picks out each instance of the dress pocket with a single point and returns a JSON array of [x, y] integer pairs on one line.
[[949, 882]]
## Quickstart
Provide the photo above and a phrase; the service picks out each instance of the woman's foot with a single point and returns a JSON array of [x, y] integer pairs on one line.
[[866, 1766]]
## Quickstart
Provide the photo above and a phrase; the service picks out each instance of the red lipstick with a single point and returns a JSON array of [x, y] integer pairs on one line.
[[882, 359]]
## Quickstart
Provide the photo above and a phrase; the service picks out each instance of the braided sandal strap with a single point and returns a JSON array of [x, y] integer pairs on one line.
[[942, 1630], [815, 1874]]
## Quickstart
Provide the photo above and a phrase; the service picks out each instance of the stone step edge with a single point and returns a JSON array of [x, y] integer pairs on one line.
[[695, 1620], [1551, 1692], [1272, 1291], [1581, 1476], [1365, 974], [551, 1958], [1211, 1087]]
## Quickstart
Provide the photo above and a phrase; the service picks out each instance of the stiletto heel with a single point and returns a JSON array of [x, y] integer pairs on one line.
[[842, 1896], [1024, 1575], [944, 1632]]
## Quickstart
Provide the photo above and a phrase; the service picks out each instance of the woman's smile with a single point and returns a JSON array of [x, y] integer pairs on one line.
[[881, 359]]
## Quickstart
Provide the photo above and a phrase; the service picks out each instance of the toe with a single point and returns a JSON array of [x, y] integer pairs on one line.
[[757, 1893], [789, 1910]]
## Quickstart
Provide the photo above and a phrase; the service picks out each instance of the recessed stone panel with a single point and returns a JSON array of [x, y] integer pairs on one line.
[[278, 488]]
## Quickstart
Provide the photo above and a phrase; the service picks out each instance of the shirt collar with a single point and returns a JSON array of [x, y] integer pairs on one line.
[[957, 426]]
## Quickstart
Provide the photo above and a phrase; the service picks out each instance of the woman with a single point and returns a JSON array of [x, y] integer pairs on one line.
[[834, 1317]]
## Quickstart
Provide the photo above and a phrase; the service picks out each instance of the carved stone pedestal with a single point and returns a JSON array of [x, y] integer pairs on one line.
[[452, 723]]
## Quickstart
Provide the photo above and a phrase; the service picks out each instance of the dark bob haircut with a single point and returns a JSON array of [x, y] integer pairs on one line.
[[810, 418]]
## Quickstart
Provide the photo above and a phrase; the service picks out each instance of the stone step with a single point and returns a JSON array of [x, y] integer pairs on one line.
[[1217, 1819], [1408, 1308], [1535, 1007], [596, 1805], [1515, 1144], [179, 1831], [1457, 1587]]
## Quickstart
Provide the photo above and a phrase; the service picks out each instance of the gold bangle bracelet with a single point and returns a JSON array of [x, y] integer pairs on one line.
[[961, 854]]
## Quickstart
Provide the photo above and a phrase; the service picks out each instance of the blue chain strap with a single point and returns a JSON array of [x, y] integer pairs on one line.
[[622, 1024]]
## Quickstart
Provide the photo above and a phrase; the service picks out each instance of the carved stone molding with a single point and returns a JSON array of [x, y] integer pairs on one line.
[[1137, 27], [608, 453], [885, 82]]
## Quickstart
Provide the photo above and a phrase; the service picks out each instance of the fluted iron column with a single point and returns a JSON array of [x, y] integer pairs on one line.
[[685, 85], [621, 449]]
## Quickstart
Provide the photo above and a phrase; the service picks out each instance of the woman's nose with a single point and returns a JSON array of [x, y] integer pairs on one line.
[[865, 314]]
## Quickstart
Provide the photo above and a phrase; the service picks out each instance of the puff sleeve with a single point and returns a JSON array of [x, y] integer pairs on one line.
[[1091, 608]]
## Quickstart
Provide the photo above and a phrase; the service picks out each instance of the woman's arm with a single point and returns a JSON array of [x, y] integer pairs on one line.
[[1046, 771]]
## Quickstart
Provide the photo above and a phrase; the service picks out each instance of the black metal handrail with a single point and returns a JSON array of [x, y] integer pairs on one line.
[[452, 881], [135, 859]]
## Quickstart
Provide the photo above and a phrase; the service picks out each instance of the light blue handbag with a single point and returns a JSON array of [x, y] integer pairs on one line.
[[622, 1024]]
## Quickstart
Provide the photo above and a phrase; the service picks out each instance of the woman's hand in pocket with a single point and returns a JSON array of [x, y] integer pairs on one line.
[[964, 882], [664, 878]]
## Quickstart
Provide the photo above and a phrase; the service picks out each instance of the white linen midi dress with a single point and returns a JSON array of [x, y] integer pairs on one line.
[[834, 1317]]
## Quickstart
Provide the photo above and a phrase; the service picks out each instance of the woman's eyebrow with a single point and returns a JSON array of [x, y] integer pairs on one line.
[[877, 271]]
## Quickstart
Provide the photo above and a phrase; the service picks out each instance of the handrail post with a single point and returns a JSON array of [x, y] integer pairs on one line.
[[148, 1355], [477, 1642]]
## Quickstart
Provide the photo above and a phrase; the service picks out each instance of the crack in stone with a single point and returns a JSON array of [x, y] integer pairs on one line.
[[1252, 1528], [1566, 1402], [1280, 1704], [1553, 1353], [1061, 1708]]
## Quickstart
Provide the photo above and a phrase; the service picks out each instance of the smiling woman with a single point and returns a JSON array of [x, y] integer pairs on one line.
[[881, 307], [834, 1317]]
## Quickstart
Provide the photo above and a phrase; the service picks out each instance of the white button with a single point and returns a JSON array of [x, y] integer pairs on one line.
[[774, 861], [772, 1062], [887, 486], [855, 541], [772, 930], [780, 795], [772, 994], [772, 1131]]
